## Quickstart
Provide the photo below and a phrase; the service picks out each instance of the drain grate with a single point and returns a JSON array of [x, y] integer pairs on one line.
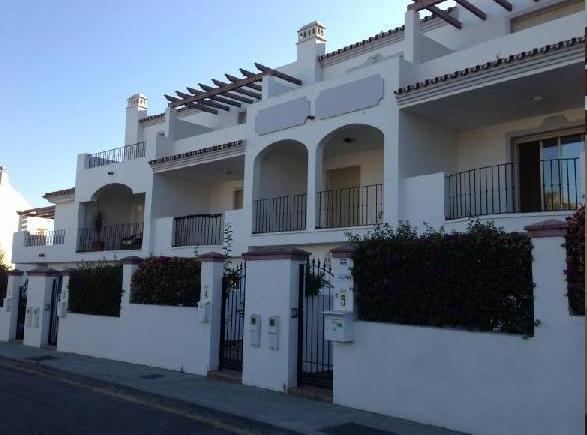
[[41, 358], [354, 429], [151, 376]]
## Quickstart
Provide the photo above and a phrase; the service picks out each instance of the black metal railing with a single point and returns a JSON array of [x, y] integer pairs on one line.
[[44, 238], [349, 207], [111, 238], [513, 188], [284, 213], [116, 155], [198, 229]]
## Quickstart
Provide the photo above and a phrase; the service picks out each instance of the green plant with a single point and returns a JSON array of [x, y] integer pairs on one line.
[[167, 281], [575, 244], [3, 278], [480, 279], [314, 282], [95, 289]]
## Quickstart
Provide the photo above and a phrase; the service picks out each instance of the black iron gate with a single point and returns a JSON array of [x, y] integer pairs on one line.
[[316, 295], [233, 317], [54, 320], [21, 315]]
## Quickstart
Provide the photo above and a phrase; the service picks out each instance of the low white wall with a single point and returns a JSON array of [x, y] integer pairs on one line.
[[480, 383], [97, 336], [423, 200], [158, 336]]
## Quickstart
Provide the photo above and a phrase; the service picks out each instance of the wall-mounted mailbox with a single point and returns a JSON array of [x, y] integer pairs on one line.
[[37, 315], [204, 311], [255, 329], [338, 326], [273, 332], [62, 307], [7, 303], [29, 317]]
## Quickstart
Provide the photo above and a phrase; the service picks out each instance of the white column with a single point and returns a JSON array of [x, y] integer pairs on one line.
[[38, 316], [412, 36], [273, 277], [129, 267], [9, 310], [311, 190], [211, 294]]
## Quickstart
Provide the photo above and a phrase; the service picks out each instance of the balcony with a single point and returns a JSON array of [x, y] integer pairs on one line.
[[553, 185], [44, 238], [116, 155], [115, 237], [283, 213], [349, 207], [198, 230]]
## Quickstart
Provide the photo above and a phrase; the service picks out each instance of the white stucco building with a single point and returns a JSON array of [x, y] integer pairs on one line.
[[477, 111], [12, 202]]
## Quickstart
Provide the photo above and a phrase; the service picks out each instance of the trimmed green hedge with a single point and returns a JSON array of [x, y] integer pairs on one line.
[[3, 283], [95, 290], [167, 281], [479, 280], [575, 243]]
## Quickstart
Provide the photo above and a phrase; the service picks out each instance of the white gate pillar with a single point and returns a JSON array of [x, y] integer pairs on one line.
[[38, 309], [342, 263], [9, 310], [273, 278], [129, 267], [210, 307]]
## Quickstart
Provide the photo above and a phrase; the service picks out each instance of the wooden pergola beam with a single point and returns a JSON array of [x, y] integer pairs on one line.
[[472, 8], [423, 4], [504, 4], [218, 97], [278, 74], [174, 102], [216, 91], [445, 16], [250, 85]]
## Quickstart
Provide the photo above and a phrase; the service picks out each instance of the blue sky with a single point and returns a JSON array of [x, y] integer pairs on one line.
[[68, 66]]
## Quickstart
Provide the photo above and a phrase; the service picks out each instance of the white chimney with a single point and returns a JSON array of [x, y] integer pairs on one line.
[[136, 109], [311, 44]]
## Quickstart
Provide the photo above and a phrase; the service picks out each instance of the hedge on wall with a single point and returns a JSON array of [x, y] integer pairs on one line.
[[167, 281], [477, 280], [575, 243], [3, 282], [95, 290]]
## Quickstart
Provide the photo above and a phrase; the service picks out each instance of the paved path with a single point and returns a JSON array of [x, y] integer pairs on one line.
[[235, 405]]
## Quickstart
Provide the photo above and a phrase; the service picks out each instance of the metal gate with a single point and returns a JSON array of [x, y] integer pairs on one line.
[[233, 317], [316, 295], [54, 320], [20, 318]]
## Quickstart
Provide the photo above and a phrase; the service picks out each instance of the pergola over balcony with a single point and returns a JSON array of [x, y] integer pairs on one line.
[[235, 93]]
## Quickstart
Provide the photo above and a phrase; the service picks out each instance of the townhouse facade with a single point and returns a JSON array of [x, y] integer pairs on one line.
[[474, 112]]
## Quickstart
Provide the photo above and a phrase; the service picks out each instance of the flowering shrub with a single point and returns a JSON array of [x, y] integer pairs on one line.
[[167, 281], [477, 280], [95, 289], [575, 243]]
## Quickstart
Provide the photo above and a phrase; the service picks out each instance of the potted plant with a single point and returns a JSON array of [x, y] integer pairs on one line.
[[98, 243]]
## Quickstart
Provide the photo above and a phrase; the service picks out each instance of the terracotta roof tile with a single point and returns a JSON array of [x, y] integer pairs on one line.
[[60, 192], [196, 152], [491, 64]]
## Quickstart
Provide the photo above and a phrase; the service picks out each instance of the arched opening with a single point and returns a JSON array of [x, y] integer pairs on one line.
[[349, 177], [111, 220], [280, 185]]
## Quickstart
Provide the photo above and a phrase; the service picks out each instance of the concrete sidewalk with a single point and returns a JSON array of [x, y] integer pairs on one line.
[[275, 409]]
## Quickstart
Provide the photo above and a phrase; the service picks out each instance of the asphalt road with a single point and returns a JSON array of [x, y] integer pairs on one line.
[[36, 404]]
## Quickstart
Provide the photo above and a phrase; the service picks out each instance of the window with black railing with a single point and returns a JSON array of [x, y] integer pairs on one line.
[[349, 207], [551, 185], [112, 237], [116, 155], [198, 229], [44, 238], [283, 213]]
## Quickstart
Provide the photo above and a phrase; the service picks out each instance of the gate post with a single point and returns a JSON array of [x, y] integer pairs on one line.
[[211, 292], [36, 330], [273, 281], [344, 295], [129, 267], [9, 309]]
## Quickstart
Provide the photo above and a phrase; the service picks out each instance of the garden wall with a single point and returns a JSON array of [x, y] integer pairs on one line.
[[475, 382]]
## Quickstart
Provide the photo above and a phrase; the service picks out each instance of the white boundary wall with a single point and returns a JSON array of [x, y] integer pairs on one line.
[[480, 383]]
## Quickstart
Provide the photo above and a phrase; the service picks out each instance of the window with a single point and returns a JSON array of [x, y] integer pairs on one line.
[[549, 171], [237, 199], [546, 14]]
